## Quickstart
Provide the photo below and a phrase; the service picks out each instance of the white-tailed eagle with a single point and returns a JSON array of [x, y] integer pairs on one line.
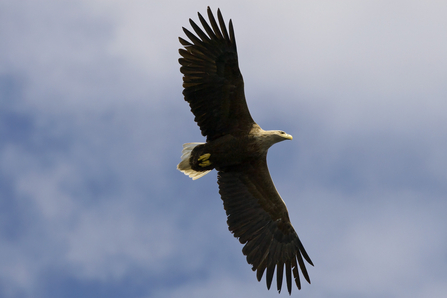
[[237, 148]]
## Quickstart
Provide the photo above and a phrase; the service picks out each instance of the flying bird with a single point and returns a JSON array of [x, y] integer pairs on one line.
[[237, 148]]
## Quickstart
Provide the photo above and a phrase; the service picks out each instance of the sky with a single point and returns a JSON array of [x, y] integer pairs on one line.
[[92, 122]]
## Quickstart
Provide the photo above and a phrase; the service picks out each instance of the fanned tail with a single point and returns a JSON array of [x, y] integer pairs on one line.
[[184, 165]]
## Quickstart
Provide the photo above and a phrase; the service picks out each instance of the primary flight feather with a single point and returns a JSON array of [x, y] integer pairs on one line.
[[237, 148]]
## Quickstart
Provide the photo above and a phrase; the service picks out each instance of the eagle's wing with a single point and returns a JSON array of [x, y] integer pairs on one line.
[[212, 82], [258, 217]]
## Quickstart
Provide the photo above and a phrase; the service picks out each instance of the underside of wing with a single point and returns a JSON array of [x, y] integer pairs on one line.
[[258, 217], [212, 81]]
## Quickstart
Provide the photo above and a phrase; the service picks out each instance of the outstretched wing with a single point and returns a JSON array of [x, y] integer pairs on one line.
[[212, 82], [258, 217]]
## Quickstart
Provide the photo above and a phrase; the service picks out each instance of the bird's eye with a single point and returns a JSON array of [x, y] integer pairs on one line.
[[281, 132]]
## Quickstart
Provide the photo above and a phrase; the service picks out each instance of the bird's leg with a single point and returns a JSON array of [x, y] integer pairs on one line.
[[204, 160]]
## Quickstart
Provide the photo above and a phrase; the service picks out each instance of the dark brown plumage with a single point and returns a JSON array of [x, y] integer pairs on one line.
[[237, 148]]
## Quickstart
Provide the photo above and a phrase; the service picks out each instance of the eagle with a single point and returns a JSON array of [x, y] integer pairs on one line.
[[237, 148]]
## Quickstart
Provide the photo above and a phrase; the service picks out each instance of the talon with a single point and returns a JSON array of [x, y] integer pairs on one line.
[[205, 163], [204, 156], [204, 160]]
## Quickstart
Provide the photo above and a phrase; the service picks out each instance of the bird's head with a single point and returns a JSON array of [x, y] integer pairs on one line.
[[270, 137], [282, 135]]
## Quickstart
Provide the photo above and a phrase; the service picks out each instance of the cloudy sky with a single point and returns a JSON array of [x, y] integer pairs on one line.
[[92, 123]]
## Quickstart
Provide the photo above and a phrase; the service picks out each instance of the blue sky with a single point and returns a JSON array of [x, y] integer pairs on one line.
[[92, 123]]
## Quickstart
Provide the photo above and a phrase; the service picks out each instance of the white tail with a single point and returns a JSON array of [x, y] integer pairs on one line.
[[184, 165]]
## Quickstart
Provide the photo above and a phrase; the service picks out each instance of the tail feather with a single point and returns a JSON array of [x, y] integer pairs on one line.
[[184, 165]]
